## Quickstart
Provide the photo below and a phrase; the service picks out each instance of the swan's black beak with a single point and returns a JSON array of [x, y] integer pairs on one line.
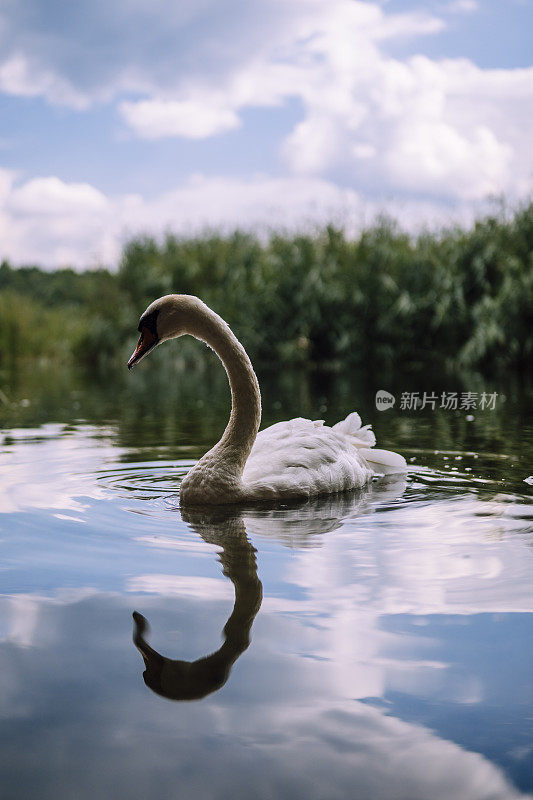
[[147, 342]]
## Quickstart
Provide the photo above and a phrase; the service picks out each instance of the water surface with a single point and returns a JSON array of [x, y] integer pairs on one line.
[[376, 644]]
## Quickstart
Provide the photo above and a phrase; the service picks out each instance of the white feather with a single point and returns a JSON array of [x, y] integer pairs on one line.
[[303, 458]]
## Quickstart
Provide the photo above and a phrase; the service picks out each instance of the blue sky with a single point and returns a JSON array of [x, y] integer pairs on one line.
[[130, 117]]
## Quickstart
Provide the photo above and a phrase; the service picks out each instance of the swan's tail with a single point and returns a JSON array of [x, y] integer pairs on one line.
[[383, 461]]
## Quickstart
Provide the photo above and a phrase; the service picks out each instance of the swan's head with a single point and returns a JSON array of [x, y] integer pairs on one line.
[[166, 318]]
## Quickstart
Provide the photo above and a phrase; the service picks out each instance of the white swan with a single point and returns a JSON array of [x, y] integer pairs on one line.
[[290, 460]]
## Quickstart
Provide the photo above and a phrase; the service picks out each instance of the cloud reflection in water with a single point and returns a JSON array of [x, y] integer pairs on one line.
[[377, 628]]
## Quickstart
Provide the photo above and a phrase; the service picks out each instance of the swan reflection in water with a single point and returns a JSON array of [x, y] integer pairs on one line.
[[295, 526], [192, 680]]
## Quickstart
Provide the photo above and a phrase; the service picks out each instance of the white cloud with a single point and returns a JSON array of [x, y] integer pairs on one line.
[[20, 77], [53, 197], [434, 156], [151, 50], [444, 128], [403, 128], [48, 221], [53, 223], [154, 119]]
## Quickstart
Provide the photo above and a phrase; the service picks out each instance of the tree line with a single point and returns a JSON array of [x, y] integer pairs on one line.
[[460, 298]]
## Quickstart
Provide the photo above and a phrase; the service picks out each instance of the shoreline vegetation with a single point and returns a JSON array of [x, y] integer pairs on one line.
[[455, 299]]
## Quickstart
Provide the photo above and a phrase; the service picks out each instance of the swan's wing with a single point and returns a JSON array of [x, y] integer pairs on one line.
[[295, 433], [301, 458], [362, 436], [359, 435], [385, 462]]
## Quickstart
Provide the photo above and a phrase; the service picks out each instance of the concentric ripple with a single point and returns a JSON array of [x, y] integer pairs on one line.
[[144, 480]]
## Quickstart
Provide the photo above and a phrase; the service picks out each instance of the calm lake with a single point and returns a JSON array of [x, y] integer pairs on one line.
[[376, 644]]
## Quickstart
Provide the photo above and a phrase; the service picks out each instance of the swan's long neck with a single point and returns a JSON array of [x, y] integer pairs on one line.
[[230, 454]]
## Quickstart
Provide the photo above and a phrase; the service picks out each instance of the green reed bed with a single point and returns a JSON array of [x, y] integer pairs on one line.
[[458, 297]]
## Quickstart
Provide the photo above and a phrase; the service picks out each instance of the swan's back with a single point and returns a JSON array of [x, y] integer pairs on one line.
[[302, 458]]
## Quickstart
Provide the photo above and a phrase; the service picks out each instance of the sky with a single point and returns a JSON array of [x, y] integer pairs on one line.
[[130, 117]]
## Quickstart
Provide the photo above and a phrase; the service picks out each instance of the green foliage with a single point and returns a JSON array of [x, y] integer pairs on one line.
[[456, 298], [30, 330]]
